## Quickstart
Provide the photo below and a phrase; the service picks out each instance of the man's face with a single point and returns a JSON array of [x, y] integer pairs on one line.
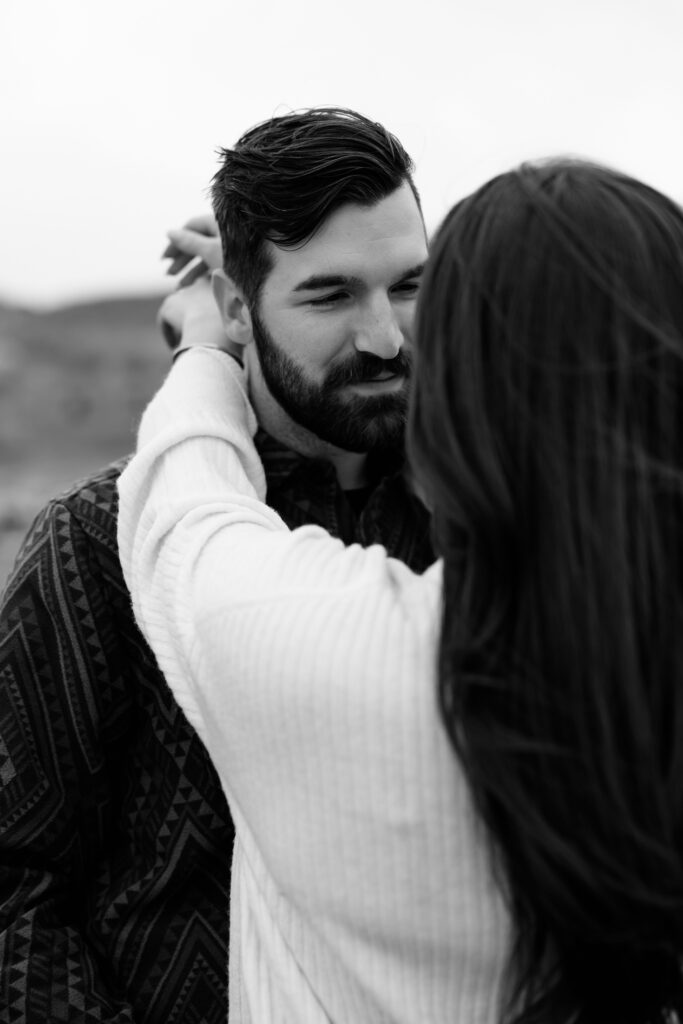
[[334, 320]]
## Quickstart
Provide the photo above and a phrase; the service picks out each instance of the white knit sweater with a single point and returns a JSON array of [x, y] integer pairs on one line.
[[361, 887]]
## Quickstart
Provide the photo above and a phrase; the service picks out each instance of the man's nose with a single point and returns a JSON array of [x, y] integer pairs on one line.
[[380, 334]]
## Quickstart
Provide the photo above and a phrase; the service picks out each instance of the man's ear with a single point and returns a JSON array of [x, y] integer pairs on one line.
[[233, 308]]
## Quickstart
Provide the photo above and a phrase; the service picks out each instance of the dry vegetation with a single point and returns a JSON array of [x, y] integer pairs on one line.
[[72, 386]]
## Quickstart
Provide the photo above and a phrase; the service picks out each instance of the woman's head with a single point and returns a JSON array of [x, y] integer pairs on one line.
[[550, 334], [547, 433]]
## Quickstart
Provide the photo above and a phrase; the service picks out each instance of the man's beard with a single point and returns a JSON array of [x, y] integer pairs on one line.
[[355, 423]]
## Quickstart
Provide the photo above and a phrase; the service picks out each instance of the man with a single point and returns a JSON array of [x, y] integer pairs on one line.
[[113, 828]]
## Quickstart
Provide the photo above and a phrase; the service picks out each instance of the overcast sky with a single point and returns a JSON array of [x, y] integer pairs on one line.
[[110, 113]]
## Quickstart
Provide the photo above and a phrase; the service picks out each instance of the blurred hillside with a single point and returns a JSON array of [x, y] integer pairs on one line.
[[73, 383]]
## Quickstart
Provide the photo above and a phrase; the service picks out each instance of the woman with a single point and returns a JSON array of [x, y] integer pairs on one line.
[[458, 796]]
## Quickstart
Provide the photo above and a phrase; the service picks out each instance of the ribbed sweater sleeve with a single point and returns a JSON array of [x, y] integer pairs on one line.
[[360, 887], [221, 588]]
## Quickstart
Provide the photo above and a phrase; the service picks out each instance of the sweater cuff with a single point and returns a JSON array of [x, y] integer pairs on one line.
[[202, 386], [218, 348]]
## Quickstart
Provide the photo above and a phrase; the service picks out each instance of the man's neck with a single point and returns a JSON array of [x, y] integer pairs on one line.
[[350, 467]]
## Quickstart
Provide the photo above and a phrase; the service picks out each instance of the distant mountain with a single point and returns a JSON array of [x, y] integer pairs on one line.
[[125, 309], [73, 382]]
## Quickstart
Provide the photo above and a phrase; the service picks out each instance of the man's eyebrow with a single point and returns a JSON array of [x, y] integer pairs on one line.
[[316, 281], [319, 281], [415, 271]]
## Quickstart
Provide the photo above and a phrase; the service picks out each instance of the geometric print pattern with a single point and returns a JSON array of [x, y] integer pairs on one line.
[[114, 883], [7, 769]]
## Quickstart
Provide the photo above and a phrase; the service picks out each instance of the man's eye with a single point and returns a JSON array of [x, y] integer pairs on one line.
[[328, 300], [408, 288]]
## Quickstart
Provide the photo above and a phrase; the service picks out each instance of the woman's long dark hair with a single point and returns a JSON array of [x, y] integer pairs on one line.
[[547, 433]]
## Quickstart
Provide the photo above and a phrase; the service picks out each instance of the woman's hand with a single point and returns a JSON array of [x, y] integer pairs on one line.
[[196, 241], [189, 317]]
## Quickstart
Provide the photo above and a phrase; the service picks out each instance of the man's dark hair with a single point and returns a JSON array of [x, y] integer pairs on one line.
[[285, 177]]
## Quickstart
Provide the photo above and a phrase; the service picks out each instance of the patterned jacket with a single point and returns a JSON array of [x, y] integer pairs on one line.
[[114, 888]]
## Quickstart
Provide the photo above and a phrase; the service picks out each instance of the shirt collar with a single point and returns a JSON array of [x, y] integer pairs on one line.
[[280, 462]]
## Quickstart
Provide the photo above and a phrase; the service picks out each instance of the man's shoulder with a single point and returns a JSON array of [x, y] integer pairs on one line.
[[97, 489], [90, 498], [81, 517]]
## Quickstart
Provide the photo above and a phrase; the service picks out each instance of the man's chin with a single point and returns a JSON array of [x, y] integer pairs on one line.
[[375, 429], [343, 417]]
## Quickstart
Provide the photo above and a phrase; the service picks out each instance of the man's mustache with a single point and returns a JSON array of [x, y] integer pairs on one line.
[[364, 366]]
